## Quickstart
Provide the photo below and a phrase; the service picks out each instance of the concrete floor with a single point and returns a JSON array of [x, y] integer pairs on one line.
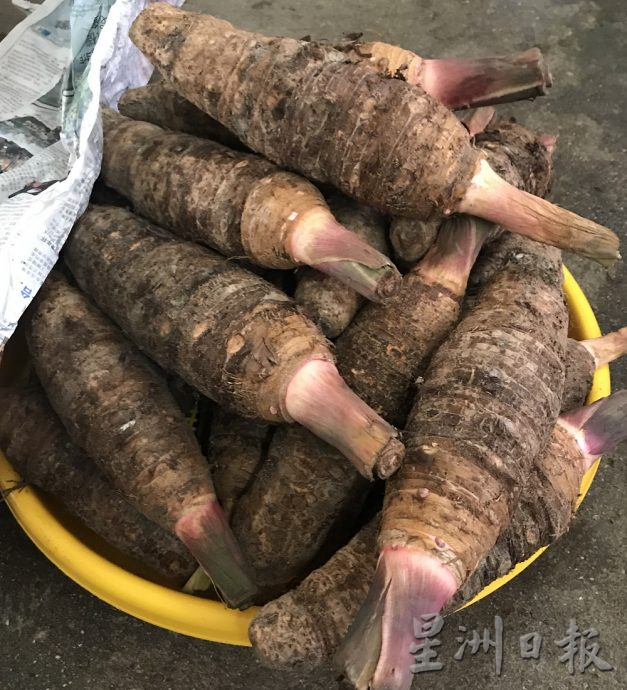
[[54, 635]]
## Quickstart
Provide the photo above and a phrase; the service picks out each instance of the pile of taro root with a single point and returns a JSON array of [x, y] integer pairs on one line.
[[373, 439]]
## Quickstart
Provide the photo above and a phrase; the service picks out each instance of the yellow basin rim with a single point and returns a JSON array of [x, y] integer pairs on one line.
[[187, 614]]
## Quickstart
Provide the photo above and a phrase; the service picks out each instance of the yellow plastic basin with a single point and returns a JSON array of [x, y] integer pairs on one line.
[[71, 549]]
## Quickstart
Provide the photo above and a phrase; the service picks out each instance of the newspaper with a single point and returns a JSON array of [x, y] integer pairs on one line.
[[56, 67]]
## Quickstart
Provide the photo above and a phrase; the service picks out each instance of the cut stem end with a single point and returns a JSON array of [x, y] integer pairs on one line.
[[489, 196], [377, 652], [318, 240], [319, 399], [468, 83], [477, 121], [205, 532], [452, 256], [608, 347], [600, 427]]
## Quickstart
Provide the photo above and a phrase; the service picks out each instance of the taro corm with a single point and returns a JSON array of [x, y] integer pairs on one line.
[[40, 450], [382, 141], [381, 354], [227, 332], [489, 402], [324, 605], [236, 203], [116, 406]]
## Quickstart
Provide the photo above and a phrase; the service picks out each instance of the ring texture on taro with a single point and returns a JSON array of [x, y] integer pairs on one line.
[[181, 612]]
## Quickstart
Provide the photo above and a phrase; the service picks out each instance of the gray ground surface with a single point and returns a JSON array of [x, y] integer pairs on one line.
[[54, 635]]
